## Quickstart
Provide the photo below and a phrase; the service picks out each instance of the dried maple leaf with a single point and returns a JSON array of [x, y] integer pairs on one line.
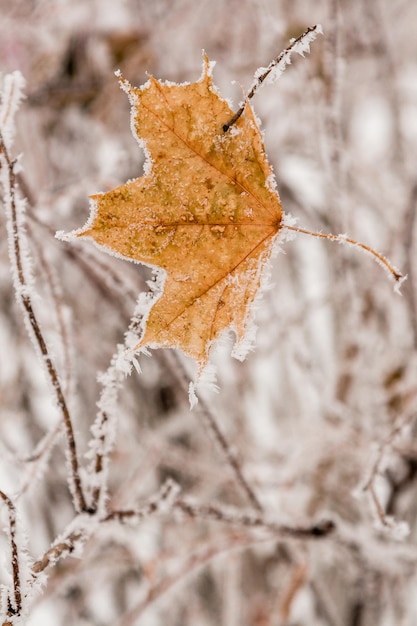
[[205, 211]]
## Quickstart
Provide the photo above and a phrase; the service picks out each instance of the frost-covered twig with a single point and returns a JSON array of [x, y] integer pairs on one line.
[[348, 538], [79, 532], [15, 228], [37, 461], [194, 562], [386, 445], [229, 454], [63, 323], [228, 515], [213, 427], [15, 606], [104, 427], [12, 94], [386, 522], [160, 502], [62, 547], [277, 66]]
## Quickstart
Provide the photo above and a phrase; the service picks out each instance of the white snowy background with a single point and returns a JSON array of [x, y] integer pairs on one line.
[[320, 419]]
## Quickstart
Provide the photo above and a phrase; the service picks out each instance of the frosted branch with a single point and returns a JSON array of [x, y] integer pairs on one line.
[[11, 96], [60, 549], [398, 529], [192, 563], [163, 501], [229, 454], [15, 605], [18, 252], [104, 427], [277, 66], [218, 513], [220, 439], [82, 528]]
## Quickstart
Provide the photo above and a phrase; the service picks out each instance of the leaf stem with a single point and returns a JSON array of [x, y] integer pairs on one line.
[[398, 276]]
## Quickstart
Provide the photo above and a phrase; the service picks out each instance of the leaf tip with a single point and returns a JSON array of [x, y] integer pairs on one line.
[[123, 82], [207, 67]]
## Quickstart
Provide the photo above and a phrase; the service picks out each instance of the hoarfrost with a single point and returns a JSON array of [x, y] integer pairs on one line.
[[285, 234], [147, 166], [123, 361], [21, 569], [247, 343], [397, 530], [206, 382], [137, 366], [272, 73], [192, 395], [234, 131], [104, 427], [399, 283], [271, 182], [11, 88]]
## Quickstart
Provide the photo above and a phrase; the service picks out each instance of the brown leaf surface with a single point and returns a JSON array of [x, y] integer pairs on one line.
[[205, 212]]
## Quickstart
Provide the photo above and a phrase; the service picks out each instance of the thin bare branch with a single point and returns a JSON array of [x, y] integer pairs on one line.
[[194, 562], [160, 502], [23, 295], [57, 299], [213, 427], [218, 513], [230, 456], [15, 607], [102, 441], [197, 561], [63, 547]]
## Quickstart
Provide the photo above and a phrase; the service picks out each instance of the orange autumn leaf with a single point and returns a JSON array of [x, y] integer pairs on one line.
[[205, 211]]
